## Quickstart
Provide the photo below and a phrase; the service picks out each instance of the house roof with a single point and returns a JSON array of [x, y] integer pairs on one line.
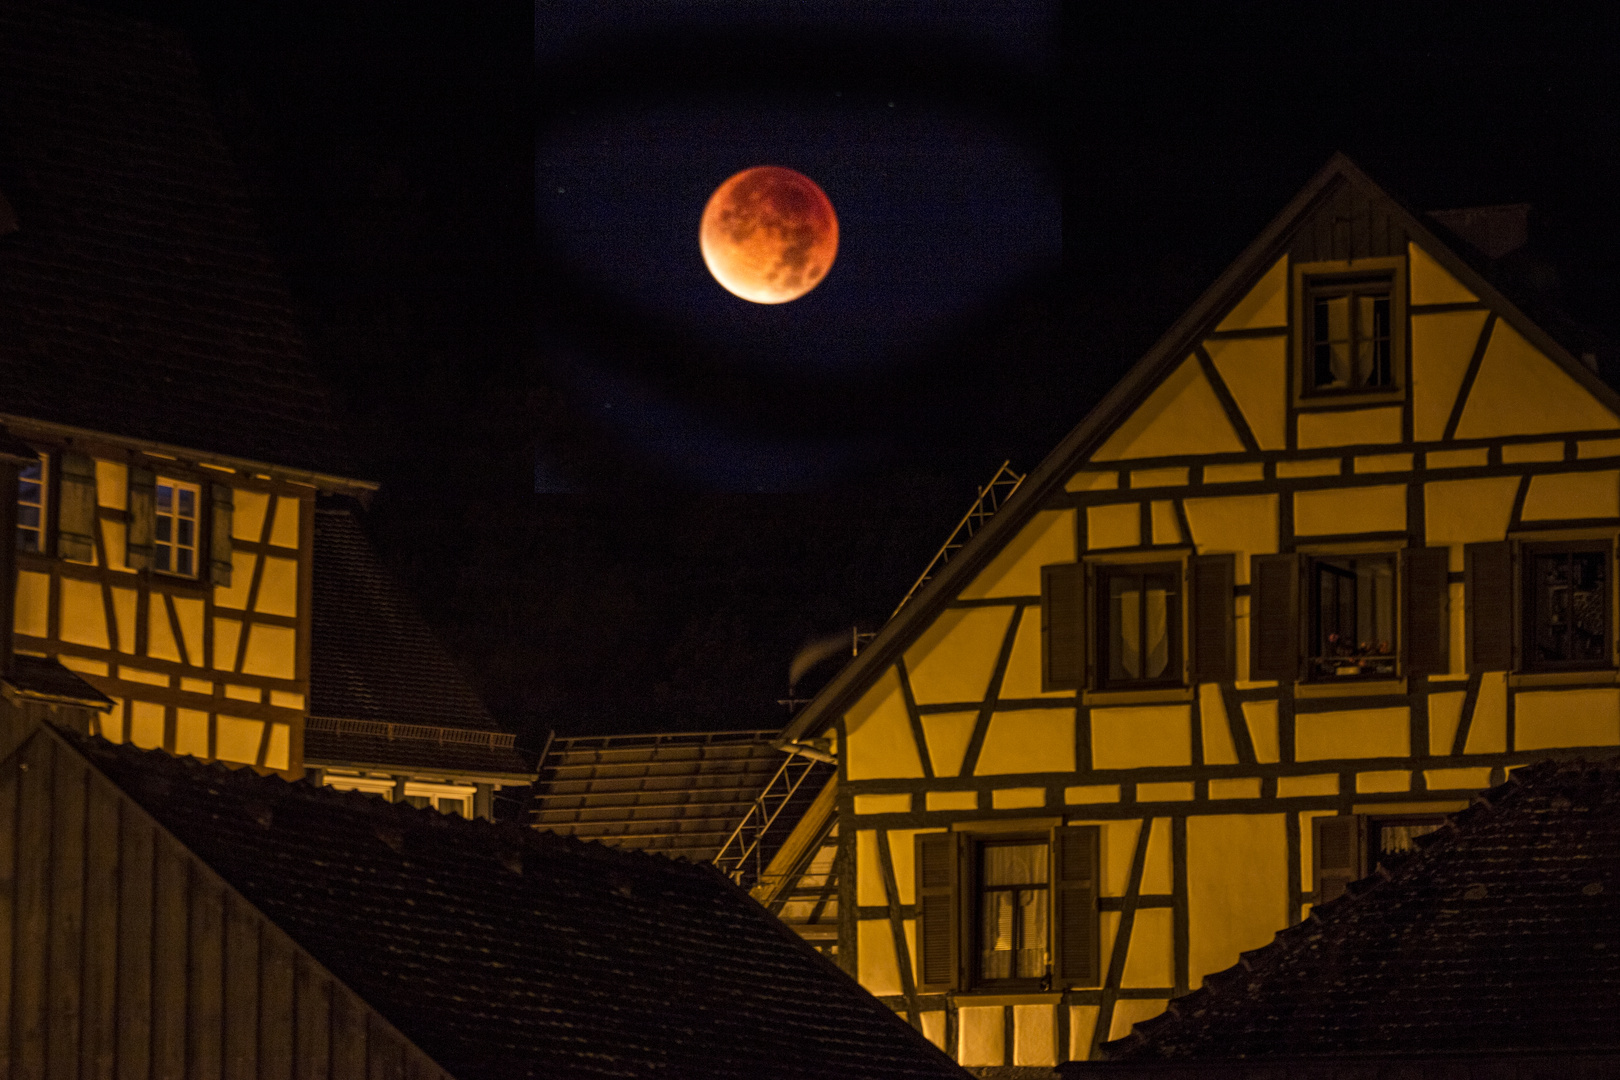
[[43, 679], [1502, 935], [136, 296], [678, 794], [382, 688], [504, 952], [1339, 186]]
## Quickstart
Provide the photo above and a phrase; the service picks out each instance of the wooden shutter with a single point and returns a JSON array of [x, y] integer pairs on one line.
[[1063, 627], [219, 535], [76, 509], [939, 920], [1336, 854], [1488, 603], [1274, 617], [1075, 945], [1210, 590], [142, 499], [1425, 607]]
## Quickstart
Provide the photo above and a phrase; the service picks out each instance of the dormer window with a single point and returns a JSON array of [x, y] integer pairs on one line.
[[1350, 343]]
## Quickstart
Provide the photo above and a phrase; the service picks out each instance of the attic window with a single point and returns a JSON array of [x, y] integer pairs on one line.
[[1350, 344]]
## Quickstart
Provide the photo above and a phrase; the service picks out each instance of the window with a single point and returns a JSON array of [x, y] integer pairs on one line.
[[1352, 617], [31, 481], [1348, 334], [1137, 626], [1330, 616], [1007, 911], [1348, 847], [1540, 606], [174, 527]]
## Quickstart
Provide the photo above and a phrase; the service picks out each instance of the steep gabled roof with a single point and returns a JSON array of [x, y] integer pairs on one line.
[[1501, 936], [504, 952], [381, 687], [136, 296], [1309, 223]]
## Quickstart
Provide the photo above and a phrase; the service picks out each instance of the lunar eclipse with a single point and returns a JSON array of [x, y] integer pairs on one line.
[[769, 234]]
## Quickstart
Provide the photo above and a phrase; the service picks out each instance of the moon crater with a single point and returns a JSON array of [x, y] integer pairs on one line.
[[769, 234]]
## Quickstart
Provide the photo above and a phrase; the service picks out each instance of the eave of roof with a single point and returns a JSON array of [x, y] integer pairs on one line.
[[1053, 472]]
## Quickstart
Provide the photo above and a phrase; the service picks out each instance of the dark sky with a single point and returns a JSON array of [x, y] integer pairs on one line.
[[624, 497]]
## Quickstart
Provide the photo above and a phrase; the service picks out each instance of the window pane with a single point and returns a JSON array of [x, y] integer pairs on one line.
[[182, 560], [1125, 625], [186, 528], [1157, 640], [996, 936], [1354, 620], [165, 496], [188, 504], [1014, 864], [1031, 933], [1569, 607], [28, 517], [163, 528], [160, 556]]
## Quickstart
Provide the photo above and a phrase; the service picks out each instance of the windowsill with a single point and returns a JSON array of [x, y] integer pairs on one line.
[[1137, 697], [1350, 689], [1001, 997], [1331, 399], [1588, 677]]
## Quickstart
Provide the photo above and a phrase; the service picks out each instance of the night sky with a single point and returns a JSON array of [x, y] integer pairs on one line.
[[624, 497]]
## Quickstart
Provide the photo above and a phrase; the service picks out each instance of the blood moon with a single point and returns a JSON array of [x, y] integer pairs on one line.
[[769, 234]]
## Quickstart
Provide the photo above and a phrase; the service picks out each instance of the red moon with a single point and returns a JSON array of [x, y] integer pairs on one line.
[[769, 234]]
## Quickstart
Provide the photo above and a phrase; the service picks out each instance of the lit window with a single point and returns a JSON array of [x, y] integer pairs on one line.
[[1012, 911], [1353, 617], [1139, 625], [31, 506], [174, 534], [1350, 341]]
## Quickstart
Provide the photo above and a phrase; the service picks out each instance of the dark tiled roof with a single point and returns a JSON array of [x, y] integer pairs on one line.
[[1501, 936], [504, 952], [372, 656], [45, 679], [676, 794], [136, 297]]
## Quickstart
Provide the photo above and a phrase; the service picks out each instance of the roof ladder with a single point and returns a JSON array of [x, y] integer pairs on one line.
[[742, 856], [992, 497]]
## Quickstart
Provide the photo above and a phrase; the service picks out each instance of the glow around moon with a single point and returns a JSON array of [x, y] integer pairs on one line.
[[769, 234]]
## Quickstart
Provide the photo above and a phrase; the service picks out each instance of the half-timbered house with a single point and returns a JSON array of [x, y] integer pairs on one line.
[[1332, 557]]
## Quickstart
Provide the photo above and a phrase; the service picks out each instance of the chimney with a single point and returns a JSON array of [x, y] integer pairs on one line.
[[1494, 230]]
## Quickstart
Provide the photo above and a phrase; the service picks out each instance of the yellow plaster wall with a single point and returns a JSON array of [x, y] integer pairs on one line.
[[33, 604], [1445, 716], [877, 967], [1350, 510], [284, 530], [1093, 481], [1468, 511], [1023, 677], [1353, 733], [1553, 496], [1244, 524], [1218, 747], [247, 514], [1034, 1035], [191, 732], [159, 636], [1116, 525], [981, 1034], [1128, 1012], [188, 612], [1141, 736], [236, 594], [951, 800], [1166, 528], [279, 753], [869, 890], [1515, 453], [1150, 959], [878, 740], [953, 659], [1047, 538], [227, 635], [903, 856], [883, 804], [1116, 848], [1351, 428], [1264, 305], [1546, 719], [1519, 391], [1442, 346], [1487, 733], [278, 587], [124, 608], [271, 650], [146, 724], [1082, 1027], [112, 484], [1028, 741], [1181, 416], [1457, 459], [1237, 887], [1019, 798], [1158, 871], [1261, 719], [948, 735], [1255, 370], [1431, 283], [237, 739], [114, 542], [1235, 473], [84, 619], [1166, 476]]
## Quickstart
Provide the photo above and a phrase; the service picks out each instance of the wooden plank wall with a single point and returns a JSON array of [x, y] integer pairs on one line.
[[123, 955]]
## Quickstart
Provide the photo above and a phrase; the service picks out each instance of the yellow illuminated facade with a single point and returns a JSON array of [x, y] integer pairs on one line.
[[1336, 555], [178, 585]]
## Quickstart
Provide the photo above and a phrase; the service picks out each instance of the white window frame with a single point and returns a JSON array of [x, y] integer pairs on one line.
[[43, 504], [167, 548]]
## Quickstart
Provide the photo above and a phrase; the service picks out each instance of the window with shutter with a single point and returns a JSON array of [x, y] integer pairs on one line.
[[142, 514], [219, 535], [1139, 633], [1075, 944], [939, 924], [1564, 606], [76, 510], [1210, 590], [1336, 855], [1274, 623], [1488, 604], [1426, 607], [1063, 627], [33, 487]]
